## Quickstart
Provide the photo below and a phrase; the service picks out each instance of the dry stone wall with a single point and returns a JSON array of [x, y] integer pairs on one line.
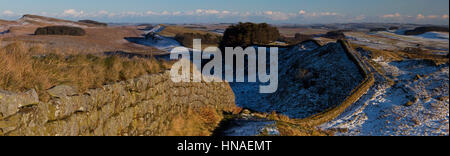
[[142, 106]]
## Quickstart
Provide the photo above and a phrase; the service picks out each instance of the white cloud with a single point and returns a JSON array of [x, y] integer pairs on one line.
[[277, 16], [151, 13], [226, 12], [207, 12], [328, 14], [165, 13], [420, 17], [8, 13], [230, 15], [432, 16], [392, 15], [72, 12], [212, 12], [445, 16], [359, 18], [268, 13], [319, 14], [302, 12], [176, 13]]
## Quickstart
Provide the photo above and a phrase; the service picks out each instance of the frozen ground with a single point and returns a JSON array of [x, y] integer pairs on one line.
[[314, 81], [249, 126], [157, 41], [306, 73], [434, 35], [434, 41], [26, 20], [417, 104], [431, 40], [247, 94]]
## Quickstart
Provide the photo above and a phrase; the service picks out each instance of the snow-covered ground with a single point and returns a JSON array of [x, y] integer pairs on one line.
[[249, 127], [157, 41], [25, 19], [219, 31], [5, 28], [385, 111], [434, 41], [3, 31], [247, 94], [155, 29], [435, 35]]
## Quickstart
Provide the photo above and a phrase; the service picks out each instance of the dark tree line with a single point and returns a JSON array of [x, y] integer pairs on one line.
[[246, 34], [296, 39], [186, 39], [338, 34], [60, 30], [421, 30], [377, 29], [93, 22]]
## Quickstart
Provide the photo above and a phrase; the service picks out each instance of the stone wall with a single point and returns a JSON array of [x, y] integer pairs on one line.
[[151, 105]]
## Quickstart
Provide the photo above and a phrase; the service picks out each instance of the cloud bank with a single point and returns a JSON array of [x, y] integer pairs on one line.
[[213, 15]]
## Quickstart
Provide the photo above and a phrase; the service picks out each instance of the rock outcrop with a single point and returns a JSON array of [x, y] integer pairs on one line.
[[149, 105]]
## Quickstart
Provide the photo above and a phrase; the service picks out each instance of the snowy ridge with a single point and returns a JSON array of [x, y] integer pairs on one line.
[[306, 73], [33, 19], [414, 105]]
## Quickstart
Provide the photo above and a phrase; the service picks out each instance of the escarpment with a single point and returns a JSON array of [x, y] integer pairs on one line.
[[313, 81], [149, 105]]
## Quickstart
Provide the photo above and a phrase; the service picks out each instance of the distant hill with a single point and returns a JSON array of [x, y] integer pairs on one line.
[[93, 22], [5, 22], [422, 30], [45, 21]]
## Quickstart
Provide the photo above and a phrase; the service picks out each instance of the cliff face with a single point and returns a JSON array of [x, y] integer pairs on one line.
[[149, 105]]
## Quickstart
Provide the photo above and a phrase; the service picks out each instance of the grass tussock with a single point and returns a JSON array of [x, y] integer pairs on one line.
[[195, 122], [22, 69]]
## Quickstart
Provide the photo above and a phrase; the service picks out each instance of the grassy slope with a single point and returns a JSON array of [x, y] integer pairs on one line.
[[20, 71], [171, 31], [96, 40]]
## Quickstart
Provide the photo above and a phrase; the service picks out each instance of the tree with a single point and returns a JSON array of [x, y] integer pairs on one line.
[[246, 34]]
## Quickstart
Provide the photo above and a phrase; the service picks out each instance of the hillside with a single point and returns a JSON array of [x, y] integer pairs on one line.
[[314, 81], [44, 21], [306, 74], [98, 39]]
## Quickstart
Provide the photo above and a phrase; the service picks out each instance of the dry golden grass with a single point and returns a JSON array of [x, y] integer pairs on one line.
[[290, 127], [195, 122], [401, 55], [290, 32], [53, 20], [21, 71], [96, 40], [172, 31]]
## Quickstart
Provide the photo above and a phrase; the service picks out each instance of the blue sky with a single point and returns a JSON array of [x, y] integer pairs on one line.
[[213, 11]]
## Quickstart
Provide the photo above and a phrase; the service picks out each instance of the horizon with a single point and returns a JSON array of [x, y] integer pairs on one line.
[[200, 11]]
